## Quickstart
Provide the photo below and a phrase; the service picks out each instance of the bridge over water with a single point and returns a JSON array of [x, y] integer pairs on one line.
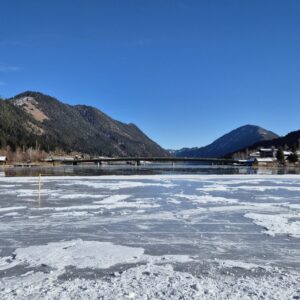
[[138, 160]]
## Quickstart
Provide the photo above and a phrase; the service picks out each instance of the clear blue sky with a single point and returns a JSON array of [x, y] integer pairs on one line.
[[184, 71]]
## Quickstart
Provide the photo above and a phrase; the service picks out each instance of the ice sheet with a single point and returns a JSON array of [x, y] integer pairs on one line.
[[162, 236]]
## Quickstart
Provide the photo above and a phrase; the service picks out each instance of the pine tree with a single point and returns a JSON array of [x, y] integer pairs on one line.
[[293, 158], [280, 155]]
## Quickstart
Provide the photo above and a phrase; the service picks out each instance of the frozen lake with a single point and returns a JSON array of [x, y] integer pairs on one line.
[[150, 237]]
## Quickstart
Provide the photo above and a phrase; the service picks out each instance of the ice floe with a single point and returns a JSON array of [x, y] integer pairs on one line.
[[278, 224], [228, 263], [82, 196], [82, 254], [116, 185], [206, 199], [11, 208]]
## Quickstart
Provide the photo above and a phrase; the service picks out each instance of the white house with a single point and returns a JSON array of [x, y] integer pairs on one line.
[[3, 160], [254, 154], [264, 161], [287, 154], [268, 152]]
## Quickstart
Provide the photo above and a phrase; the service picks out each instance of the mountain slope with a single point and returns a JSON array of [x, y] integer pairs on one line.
[[55, 125], [16, 127], [233, 141], [290, 140]]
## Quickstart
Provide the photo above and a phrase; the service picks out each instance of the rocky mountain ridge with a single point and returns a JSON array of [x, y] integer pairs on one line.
[[32, 118]]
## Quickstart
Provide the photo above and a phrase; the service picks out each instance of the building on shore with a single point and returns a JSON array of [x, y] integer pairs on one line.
[[265, 157], [254, 154], [264, 161], [264, 153], [270, 153], [3, 160]]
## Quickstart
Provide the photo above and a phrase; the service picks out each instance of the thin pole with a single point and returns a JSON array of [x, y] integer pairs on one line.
[[40, 188]]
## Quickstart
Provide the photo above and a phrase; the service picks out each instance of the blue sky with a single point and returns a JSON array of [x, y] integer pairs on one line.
[[184, 71]]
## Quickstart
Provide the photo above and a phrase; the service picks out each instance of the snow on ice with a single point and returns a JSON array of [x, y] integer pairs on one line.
[[150, 237]]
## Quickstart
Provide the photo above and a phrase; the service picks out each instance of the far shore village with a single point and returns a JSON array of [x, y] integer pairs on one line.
[[266, 157]]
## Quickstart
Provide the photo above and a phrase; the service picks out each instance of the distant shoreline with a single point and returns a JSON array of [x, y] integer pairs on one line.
[[150, 169]]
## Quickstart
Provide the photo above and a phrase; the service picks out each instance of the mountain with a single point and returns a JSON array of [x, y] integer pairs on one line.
[[231, 142], [290, 140], [31, 118]]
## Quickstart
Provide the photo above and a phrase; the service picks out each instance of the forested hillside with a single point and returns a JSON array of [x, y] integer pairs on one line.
[[42, 122]]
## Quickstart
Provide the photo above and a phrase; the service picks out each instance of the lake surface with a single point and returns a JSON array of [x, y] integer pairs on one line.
[[162, 236]]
